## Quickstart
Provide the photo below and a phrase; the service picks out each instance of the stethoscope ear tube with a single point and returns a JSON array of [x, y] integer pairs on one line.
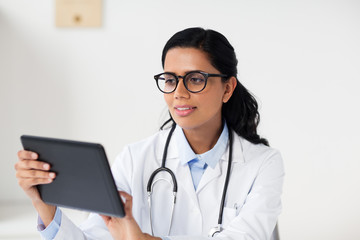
[[163, 168], [160, 169], [173, 206], [167, 145]]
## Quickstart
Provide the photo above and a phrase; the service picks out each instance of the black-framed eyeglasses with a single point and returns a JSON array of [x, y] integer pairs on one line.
[[194, 81]]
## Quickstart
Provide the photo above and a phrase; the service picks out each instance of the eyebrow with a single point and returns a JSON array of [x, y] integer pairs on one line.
[[186, 72]]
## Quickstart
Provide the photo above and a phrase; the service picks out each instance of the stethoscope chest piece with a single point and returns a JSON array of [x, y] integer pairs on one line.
[[215, 231]]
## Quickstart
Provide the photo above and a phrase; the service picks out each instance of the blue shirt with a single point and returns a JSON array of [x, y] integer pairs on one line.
[[197, 164], [51, 230]]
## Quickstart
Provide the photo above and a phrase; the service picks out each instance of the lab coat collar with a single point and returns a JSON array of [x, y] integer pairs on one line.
[[186, 153], [211, 157], [182, 171], [237, 150], [173, 150]]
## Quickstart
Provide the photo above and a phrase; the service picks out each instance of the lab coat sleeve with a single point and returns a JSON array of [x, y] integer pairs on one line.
[[94, 227], [258, 216], [122, 171], [68, 230]]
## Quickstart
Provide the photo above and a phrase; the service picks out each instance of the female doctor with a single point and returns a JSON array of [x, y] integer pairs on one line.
[[228, 181]]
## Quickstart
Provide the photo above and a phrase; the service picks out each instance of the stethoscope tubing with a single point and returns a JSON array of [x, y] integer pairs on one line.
[[227, 178]]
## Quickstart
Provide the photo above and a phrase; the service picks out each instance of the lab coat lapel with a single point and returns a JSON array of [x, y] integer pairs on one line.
[[185, 182], [209, 175]]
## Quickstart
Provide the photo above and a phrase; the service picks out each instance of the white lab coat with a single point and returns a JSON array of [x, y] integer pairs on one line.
[[252, 202]]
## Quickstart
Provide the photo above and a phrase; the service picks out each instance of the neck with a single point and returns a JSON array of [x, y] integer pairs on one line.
[[202, 140]]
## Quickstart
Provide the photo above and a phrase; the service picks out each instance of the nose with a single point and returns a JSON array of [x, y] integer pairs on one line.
[[181, 91]]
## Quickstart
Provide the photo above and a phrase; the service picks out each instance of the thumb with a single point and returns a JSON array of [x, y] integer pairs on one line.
[[128, 203], [105, 218]]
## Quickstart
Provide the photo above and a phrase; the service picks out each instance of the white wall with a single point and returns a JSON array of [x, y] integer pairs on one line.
[[300, 58]]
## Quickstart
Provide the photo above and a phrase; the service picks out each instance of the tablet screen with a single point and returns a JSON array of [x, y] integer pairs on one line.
[[83, 176]]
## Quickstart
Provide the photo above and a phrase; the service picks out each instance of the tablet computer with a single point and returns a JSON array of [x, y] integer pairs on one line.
[[83, 176]]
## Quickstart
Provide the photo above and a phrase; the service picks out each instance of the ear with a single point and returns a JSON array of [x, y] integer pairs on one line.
[[229, 89]]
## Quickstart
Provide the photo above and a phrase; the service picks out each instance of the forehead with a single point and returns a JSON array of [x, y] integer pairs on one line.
[[181, 60]]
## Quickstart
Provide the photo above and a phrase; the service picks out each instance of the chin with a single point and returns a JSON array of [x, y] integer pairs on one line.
[[186, 124]]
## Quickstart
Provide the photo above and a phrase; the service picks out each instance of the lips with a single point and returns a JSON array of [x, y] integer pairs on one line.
[[184, 110]]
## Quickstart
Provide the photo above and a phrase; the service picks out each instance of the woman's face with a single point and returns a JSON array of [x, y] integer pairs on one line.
[[193, 111]]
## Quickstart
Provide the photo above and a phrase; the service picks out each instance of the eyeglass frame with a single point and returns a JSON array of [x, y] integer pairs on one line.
[[206, 76]]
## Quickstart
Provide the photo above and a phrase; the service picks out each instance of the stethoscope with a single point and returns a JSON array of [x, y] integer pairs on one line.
[[214, 231]]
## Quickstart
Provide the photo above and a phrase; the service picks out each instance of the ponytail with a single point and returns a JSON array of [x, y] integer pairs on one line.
[[242, 115]]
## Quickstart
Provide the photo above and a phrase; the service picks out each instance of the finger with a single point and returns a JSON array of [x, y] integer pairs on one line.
[[32, 164], [35, 174], [128, 203], [125, 195], [23, 154], [26, 183]]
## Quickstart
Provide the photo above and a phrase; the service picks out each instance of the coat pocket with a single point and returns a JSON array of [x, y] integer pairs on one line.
[[228, 215]]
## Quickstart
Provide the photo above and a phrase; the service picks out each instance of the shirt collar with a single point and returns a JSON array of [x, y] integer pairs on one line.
[[210, 157]]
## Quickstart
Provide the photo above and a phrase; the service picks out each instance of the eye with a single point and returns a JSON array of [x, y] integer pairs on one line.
[[170, 81], [167, 79], [195, 79]]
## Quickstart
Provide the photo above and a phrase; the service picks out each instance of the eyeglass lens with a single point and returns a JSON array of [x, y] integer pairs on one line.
[[194, 82]]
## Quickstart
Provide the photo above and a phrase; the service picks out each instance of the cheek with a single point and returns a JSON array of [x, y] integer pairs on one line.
[[216, 103], [214, 100], [168, 99]]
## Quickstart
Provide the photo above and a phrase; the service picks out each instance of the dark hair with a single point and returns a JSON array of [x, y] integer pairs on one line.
[[241, 111]]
